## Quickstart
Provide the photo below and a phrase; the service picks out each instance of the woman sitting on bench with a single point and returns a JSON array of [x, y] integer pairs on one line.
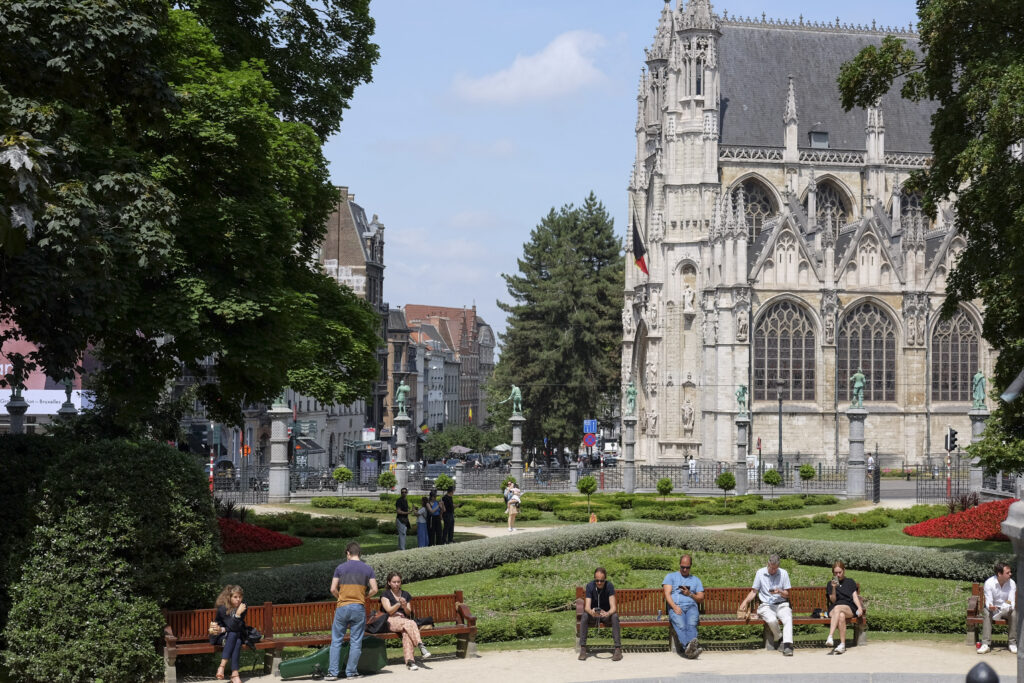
[[844, 603], [398, 604], [231, 629]]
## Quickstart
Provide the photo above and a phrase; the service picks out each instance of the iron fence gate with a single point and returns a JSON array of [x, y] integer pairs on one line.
[[940, 485], [250, 487]]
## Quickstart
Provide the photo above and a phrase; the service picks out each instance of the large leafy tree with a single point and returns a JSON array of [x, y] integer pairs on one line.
[[971, 62], [163, 194], [564, 329]]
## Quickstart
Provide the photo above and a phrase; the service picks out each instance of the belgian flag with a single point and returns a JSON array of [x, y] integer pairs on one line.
[[639, 250]]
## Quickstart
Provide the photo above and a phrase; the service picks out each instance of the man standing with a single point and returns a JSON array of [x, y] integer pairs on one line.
[[448, 518], [683, 593], [771, 586], [353, 582], [402, 517], [599, 606], [1000, 603], [692, 466]]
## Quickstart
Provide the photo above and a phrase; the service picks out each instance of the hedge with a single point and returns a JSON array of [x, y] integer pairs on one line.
[[605, 513], [875, 519], [778, 524], [781, 503], [492, 515], [672, 513]]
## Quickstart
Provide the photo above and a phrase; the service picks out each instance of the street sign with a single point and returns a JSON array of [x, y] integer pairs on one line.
[[589, 439], [590, 427]]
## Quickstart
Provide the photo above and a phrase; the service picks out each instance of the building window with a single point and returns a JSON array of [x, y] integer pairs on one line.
[[867, 341], [819, 139], [784, 348], [912, 210], [831, 206], [954, 358], [758, 205]]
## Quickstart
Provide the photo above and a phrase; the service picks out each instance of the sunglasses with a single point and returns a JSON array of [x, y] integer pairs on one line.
[[599, 580]]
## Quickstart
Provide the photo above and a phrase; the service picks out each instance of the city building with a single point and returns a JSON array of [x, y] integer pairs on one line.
[[782, 242]]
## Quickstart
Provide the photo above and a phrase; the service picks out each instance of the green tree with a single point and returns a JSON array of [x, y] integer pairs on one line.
[[727, 482], [773, 479], [342, 475], [163, 197], [444, 483], [587, 486], [387, 480], [562, 344], [664, 487], [807, 473], [971, 63], [439, 444]]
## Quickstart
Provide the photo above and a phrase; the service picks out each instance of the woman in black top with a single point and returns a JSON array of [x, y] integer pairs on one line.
[[231, 620], [398, 604], [844, 603]]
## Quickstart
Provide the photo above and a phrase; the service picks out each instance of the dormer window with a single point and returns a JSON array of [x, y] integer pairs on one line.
[[819, 139]]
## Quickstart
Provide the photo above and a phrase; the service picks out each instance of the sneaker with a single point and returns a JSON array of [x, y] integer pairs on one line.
[[830, 642], [1013, 648], [355, 675], [787, 649], [328, 677], [691, 647], [424, 652], [412, 666], [840, 649], [983, 649], [583, 654], [617, 654], [697, 652]]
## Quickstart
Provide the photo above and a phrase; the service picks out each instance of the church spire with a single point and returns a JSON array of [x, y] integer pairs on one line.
[[790, 115], [791, 155], [698, 14]]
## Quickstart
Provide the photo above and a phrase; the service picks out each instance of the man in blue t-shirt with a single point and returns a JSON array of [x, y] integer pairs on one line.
[[600, 608], [684, 593]]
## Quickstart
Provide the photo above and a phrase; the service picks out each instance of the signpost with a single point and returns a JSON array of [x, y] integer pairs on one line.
[[589, 440]]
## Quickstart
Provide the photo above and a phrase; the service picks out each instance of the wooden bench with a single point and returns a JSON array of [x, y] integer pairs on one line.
[[646, 608], [308, 625], [975, 615]]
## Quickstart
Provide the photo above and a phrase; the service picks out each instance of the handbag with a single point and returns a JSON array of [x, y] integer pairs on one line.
[[424, 621], [252, 636], [377, 622]]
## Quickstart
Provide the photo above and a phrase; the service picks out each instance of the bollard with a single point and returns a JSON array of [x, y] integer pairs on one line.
[[982, 673]]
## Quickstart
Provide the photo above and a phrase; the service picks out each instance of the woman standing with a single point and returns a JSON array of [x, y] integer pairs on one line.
[[514, 501], [231, 622], [844, 603], [422, 524], [398, 604], [435, 509]]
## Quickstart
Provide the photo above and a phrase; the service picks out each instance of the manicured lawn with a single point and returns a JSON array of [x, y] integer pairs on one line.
[[891, 535]]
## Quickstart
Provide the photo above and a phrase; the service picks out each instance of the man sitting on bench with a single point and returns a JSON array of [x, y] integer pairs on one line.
[[600, 608], [771, 586], [1000, 603], [683, 594]]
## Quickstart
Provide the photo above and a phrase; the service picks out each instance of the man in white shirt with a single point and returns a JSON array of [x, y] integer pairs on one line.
[[1000, 603], [771, 586]]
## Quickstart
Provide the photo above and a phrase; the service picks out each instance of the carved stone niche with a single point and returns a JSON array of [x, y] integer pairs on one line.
[[688, 290]]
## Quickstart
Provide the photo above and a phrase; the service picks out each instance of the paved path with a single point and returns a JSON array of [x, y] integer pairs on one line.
[[903, 661]]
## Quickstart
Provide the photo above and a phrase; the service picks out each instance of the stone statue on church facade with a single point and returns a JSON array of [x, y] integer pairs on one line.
[[978, 390], [858, 380], [688, 415], [631, 398]]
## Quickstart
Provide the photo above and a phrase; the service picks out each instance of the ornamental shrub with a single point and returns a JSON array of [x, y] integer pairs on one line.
[[778, 524], [605, 513], [670, 513], [444, 483], [587, 486], [821, 518], [108, 552], [727, 482], [783, 503], [982, 523], [664, 486], [517, 627], [387, 480], [807, 472], [875, 519], [819, 499], [493, 515], [772, 478], [915, 513]]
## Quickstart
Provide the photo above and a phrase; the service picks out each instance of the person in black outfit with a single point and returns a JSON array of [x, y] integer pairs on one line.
[[600, 608], [402, 517], [231, 622], [449, 516], [844, 603], [435, 509]]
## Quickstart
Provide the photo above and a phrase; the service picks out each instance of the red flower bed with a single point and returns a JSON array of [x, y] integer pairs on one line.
[[980, 523], [238, 537]]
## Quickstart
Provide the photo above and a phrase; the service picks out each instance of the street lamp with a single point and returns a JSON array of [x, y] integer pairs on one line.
[[780, 384]]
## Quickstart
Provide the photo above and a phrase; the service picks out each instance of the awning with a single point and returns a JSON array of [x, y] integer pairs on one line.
[[308, 447]]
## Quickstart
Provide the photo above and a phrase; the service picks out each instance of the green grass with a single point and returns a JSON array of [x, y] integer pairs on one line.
[[891, 535]]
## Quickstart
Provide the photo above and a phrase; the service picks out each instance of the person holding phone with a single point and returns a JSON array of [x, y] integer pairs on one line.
[[599, 605], [771, 586], [844, 603], [683, 594]]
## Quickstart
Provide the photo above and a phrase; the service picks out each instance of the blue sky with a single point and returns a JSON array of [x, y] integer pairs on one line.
[[484, 115]]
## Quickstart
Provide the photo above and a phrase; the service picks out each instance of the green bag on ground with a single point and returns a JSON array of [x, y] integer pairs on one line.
[[372, 659]]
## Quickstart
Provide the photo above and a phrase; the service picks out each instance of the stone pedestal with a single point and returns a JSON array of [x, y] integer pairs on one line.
[[629, 461], [574, 475], [740, 468], [978, 418], [17, 407], [401, 441], [1013, 527], [517, 421], [855, 463], [460, 475], [280, 491]]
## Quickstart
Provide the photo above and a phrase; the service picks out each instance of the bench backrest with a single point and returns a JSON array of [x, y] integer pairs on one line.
[[637, 602], [301, 618]]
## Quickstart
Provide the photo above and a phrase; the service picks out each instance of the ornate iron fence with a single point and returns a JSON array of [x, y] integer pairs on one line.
[[250, 486], [939, 485]]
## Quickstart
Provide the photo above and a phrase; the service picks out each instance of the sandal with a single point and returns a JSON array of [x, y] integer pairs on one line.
[[220, 674], [235, 678]]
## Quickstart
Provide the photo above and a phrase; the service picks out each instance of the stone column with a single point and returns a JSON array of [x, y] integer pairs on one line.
[[978, 417], [574, 475], [460, 475], [1013, 527], [742, 429], [855, 462], [17, 407], [401, 441], [279, 484], [629, 462], [517, 421]]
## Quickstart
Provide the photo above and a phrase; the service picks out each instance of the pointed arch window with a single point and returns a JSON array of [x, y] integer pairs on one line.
[[758, 205], [912, 209], [784, 347], [867, 341], [831, 206], [955, 358]]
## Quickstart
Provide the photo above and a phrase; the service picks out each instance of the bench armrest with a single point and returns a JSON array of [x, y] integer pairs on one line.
[[464, 615], [170, 640], [972, 605], [579, 608]]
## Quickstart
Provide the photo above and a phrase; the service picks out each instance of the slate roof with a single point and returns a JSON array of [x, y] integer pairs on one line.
[[755, 61]]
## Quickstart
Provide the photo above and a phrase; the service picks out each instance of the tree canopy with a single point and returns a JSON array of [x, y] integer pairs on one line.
[[562, 343], [971, 62], [164, 195]]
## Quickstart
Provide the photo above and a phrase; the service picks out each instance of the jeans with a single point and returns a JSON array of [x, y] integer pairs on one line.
[[232, 648], [401, 533], [773, 614], [685, 624], [347, 617]]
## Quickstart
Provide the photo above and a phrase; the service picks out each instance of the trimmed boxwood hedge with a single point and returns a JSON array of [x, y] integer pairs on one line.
[[777, 524], [578, 513], [875, 519], [672, 513], [493, 515]]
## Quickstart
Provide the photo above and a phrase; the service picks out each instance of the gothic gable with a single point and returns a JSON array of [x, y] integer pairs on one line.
[[868, 260], [785, 258], [944, 260]]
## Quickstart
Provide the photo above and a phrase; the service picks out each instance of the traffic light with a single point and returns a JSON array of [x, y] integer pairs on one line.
[[950, 439]]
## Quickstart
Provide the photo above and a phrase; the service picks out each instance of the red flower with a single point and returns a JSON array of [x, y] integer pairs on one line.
[[981, 523], [238, 537]]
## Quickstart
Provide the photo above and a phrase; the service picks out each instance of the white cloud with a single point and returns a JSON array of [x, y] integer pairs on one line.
[[563, 66]]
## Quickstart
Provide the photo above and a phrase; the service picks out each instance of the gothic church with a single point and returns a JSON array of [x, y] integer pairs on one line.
[[782, 245]]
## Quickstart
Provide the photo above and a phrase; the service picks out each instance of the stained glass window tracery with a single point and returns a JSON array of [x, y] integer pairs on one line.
[[867, 341], [955, 358], [784, 348]]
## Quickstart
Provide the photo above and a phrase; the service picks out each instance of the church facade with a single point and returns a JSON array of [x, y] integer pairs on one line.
[[785, 251]]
